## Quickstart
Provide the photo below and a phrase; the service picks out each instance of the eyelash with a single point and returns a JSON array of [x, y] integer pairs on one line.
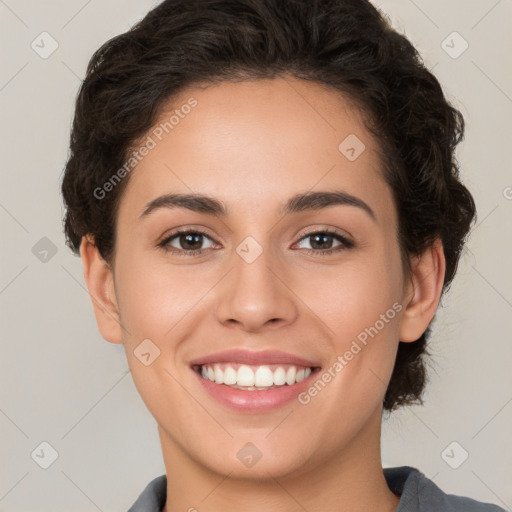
[[345, 242]]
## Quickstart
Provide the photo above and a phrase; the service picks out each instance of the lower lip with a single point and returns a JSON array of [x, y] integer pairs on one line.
[[255, 401]]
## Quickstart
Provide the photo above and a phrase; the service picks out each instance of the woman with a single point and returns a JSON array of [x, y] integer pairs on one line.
[[266, 201]]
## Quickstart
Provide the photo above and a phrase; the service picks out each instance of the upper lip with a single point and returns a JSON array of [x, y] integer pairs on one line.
[[262, 357]]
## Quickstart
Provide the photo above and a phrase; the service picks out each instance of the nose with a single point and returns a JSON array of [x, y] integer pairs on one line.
[[256, 296]]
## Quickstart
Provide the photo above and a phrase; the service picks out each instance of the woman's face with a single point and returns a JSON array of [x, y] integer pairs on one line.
[[318, 280]]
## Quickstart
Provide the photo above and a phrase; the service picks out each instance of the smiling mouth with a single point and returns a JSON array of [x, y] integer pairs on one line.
[[254, 377]]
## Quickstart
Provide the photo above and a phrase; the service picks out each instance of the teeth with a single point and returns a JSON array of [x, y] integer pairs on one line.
[[229, 376], [290, 375], [279, 376], [263, 377], [219, 376], [245, 376], [242, 376]]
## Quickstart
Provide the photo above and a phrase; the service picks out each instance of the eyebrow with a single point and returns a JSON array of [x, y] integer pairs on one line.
[[298, 203]]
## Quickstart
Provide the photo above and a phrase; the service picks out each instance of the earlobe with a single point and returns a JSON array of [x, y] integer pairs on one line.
[[100, 284], [423, 292]]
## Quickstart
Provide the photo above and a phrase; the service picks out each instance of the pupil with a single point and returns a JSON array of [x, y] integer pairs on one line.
[[194, 241], [190, 239], [323, 238]]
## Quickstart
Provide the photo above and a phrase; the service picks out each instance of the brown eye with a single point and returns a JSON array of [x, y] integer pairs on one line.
[[322, 242], [189, 241]]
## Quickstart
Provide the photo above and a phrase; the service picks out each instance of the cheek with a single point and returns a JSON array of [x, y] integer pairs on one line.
[[155, 295], [360, 303], [153, 298], [155, 302], [352, 297], [361, 308]]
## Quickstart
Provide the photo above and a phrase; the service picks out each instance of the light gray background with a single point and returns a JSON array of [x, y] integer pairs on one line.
[[61, 383]]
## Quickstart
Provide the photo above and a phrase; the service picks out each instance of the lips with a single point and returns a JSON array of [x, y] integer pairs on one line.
[[264, 357], [254, 381]]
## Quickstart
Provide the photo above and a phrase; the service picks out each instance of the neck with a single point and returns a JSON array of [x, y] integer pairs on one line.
[[350, 480]]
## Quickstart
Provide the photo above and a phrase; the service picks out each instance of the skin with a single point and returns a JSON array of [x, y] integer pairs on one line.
[[252, 145]]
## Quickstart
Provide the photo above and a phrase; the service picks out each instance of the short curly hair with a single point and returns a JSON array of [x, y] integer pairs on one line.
[[348, 45]]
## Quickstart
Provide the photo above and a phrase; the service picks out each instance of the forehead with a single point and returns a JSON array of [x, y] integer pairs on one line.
[[258, 141]]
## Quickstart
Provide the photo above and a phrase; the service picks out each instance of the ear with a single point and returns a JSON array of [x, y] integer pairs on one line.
[[100, 283], [423, 292]]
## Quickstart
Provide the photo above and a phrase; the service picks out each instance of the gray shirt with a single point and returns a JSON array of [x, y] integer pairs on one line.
[[417, 494]]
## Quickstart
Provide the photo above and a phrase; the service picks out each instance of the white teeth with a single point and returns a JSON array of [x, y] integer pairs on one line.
[[290, 375], [219, 375], [279, 377], [245, 377], [263, 377], [229, 376]]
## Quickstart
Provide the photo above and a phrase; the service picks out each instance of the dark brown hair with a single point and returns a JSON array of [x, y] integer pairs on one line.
[[346, 44]]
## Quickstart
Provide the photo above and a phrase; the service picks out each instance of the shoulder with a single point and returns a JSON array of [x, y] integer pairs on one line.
[[417, 494], [152, 498], [420, 494]]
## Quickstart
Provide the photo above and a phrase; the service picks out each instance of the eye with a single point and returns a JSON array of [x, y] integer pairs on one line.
[[189, 242], [186, 242], [321, 242]]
